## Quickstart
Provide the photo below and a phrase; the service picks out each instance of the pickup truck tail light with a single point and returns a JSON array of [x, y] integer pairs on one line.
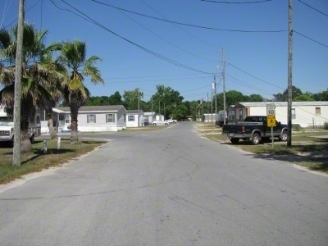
[[242, 129]]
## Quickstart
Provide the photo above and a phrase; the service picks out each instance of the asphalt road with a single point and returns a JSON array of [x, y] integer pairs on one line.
[[168, 187]]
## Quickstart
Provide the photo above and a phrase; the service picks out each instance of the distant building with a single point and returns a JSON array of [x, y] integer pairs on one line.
[[91, 118], [134, 118], [305, 114]]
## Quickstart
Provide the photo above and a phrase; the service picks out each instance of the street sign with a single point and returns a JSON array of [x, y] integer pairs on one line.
[[271, 109], [271, 121]]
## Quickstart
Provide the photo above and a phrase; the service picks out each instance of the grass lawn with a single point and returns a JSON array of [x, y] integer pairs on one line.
[[306, 150], [312, 154], [37, 160]]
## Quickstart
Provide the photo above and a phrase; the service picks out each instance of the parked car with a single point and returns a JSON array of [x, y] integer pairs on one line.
[[255, 129], [7, 132], [171, 121], [160, 123]]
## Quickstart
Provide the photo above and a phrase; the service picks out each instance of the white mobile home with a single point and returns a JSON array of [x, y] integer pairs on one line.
[[134, 118], [92, 118], [305, 114], [210, 117], [149, 117]]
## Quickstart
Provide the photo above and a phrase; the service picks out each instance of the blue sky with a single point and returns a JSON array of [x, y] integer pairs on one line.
[[126, 67]]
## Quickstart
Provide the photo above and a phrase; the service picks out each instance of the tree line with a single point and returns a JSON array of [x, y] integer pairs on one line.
[[171, 104]]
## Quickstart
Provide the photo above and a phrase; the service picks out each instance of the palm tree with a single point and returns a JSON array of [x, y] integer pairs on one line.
[[74, 92], [39, 74]]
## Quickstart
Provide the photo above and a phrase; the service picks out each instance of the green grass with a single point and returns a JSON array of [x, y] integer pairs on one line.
[[36, 160], [313, 156], [306, 151]]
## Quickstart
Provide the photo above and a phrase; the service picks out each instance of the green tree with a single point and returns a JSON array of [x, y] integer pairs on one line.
[[304, 97], [115, 99], [254, 98], [39, 76], [321, 96], [74, 92], [165, 97], [131, 98], [283, 97]]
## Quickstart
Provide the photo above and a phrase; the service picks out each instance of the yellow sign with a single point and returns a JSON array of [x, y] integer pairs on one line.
[[271, 121]]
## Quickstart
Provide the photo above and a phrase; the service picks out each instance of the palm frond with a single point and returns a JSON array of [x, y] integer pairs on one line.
[[5, 39], [94, 74]]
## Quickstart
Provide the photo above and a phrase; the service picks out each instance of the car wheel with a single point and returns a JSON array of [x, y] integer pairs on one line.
[[256, 139], [234, 140], [283, 136], [154, 124]]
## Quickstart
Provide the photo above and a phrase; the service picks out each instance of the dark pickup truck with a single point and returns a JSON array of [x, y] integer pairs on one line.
[[255, 129]]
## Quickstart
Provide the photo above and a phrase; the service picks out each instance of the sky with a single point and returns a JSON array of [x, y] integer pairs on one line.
[[142, 52]]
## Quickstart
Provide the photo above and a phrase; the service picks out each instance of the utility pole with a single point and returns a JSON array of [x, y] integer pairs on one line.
[[215, 97], [18, 86], [202, 113], [138, 108], [224, 92], [211, 104], [164, 111], [290, 72], [208, 109], [159, 107]]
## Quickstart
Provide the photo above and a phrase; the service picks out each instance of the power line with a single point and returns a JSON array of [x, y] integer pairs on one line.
[[313, 8], [311, 113], [25, 12], [164, 39], [189, 25], [247, 2], [237, 81], [310, 39], [141, 81], [89, 19], [156, 76], [255, 76], [195, 37]]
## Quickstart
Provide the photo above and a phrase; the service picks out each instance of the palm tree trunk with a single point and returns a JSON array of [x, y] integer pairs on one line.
[[26, 145], [52, 131], [74, 133]]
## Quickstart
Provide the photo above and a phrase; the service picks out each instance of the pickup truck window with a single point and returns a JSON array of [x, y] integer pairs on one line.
[[255, 119]]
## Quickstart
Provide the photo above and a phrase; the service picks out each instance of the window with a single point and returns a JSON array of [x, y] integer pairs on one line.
[[38, 119], [241, 114], [131, 118], [61, 117], [91, 118], [231, 115], [293, 113], [318, 110], [67, 118], [110, 118]]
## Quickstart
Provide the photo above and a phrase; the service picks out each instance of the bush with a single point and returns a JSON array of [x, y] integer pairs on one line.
[[296, 128], [325, 125]]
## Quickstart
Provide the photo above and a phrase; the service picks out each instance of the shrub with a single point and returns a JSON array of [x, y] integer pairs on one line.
[[325, 125], [296, 128]]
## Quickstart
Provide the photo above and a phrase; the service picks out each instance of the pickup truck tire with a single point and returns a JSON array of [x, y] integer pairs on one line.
[[283, 136], [256, 139], [234, 140]]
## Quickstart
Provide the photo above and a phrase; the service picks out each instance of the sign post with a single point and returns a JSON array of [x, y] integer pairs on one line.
[[271, 119]]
